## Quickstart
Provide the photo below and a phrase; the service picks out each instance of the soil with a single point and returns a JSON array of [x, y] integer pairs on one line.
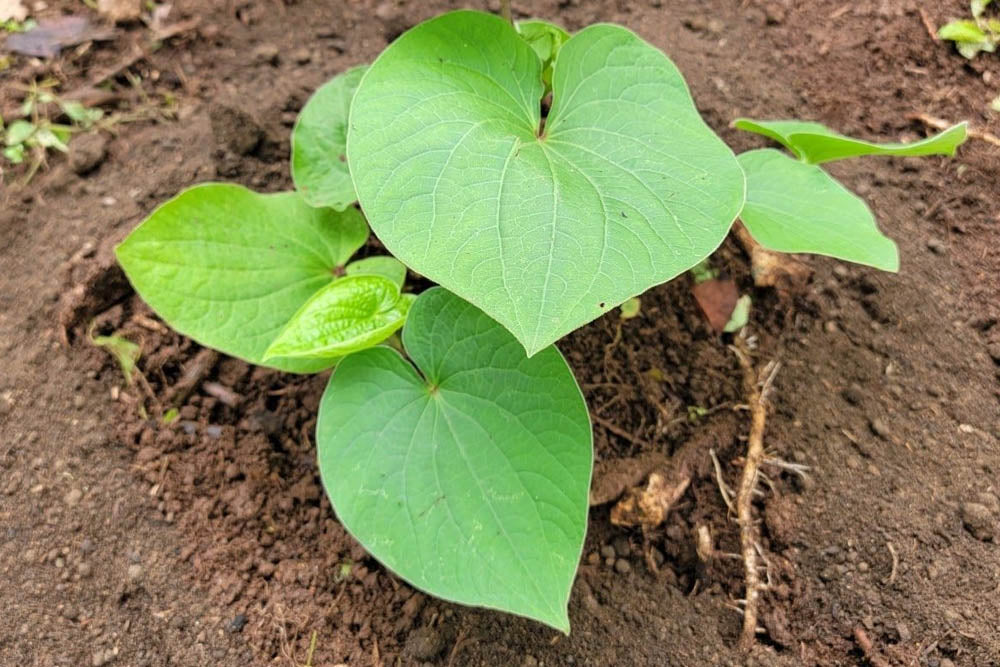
[[209, 540]]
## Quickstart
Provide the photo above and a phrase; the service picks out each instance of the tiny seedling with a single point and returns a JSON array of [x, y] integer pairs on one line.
[[34, 132], [542, 180], [975, 35]]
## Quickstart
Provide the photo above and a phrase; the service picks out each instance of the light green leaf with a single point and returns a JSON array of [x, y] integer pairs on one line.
[[546, 39], [18, 132], [346, 316], [625, 188], [740, 316], [380, 265], [797, 207], [962, 31], [630, 308], [468, 475], [979, 6], [319, 159], [14, 153], [124, 351], [970, 50], [703, 271], [50, 137], [81, 114], [229, 267], [815, 143]]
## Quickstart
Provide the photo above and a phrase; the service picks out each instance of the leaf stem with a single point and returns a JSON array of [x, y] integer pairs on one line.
[[505, 11]]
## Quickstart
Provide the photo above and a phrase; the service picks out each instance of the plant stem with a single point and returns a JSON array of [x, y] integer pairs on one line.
[[505, 11]]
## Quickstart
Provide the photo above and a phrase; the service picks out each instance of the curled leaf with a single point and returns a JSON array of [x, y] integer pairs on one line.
[[346, 316]]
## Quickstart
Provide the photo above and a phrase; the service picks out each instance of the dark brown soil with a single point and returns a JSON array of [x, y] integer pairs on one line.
[[210, 541]]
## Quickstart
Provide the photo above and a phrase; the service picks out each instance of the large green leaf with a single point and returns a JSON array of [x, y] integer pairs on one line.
[[319, 158], [815, 143], [229, 267], [346, 316], [467, 475], [797, 207], [545, 230]]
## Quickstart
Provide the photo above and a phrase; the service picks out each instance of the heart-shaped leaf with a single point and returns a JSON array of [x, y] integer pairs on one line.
[[380, 265], [815, 143], [345, 316], [543, 228], [319, 158], [468, 475], [229, 267], [797, 207]]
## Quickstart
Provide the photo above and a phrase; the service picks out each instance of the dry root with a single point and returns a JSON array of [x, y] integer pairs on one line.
[[649, 507], [756, 393], [773, 269]]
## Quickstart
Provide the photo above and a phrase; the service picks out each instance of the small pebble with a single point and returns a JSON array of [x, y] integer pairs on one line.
[[936, 246], [607, 551], [622, 566], [881, 429], [87, 152], [73, 497], [853, 394], [424, 643], [237, 623], [134, 572], [267, 53], [622, 547], [978, 520]]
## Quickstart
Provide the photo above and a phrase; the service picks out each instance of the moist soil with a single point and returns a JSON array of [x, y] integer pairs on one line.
[[209, 540]]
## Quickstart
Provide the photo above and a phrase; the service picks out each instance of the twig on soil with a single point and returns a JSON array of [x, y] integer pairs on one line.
[[941, 124], [928, 25], [603, 423], [194, 372], [224, 394], [866, 646], [895, 565], [756, 392]]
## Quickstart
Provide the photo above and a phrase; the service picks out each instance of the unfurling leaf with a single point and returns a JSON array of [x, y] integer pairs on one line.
[[346, 316]]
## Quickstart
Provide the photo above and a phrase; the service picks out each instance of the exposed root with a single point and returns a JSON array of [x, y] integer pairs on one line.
[[621, 433], [895, 565], [928, 25], [756, 392], [796, 468], [724, 489]]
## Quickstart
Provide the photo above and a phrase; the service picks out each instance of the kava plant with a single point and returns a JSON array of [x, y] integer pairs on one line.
[[464, 464]]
